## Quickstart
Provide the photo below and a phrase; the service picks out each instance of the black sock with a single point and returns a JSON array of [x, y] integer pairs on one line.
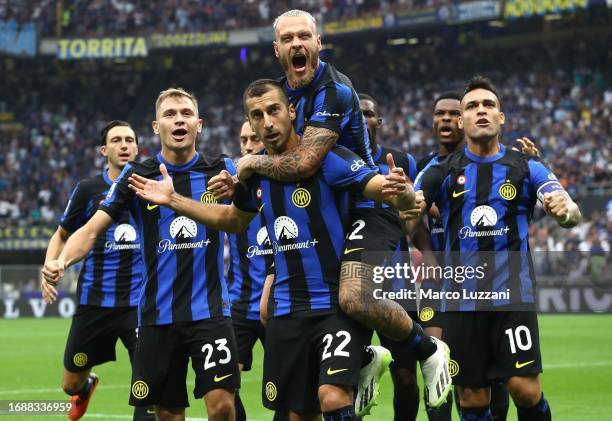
[[240, 412], [366, 356], [499, 401], [476, 414], [539, 412], [406, 403], [443, 412], [420, 342], [342, 414], [84, 392], [144, 413]]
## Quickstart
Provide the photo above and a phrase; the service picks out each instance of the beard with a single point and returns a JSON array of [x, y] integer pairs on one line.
[[295, 82]]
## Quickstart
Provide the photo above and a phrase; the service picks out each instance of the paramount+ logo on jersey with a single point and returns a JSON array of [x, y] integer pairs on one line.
[[124, 238], [182, 232], [483, 221]]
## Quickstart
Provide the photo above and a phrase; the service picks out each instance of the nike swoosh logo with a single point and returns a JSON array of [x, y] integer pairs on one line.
[[261, 207], [331, 372], [347, 251], [151, 411], [521, 365], [218, 379], [151, 207], [455, 194]]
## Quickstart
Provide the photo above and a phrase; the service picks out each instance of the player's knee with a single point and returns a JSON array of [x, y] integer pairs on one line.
[[525, 391], [169, 414], [221, 408], [474, 398], [334, 397]]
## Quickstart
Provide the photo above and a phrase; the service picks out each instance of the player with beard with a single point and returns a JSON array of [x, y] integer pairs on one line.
[[249, 252], [184, 309], [312, 351], [328, 114], [486, 194]]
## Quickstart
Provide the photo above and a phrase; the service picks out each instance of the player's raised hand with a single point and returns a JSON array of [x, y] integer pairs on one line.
[[153, 191], [414, 213], [398, 185], [527, 147], [557, 205], [222, 186]]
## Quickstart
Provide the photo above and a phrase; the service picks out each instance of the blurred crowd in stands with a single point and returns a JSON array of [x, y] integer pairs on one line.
[[76, 18], [558, 96]]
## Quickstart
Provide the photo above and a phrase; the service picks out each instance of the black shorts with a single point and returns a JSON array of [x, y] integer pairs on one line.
[[247, 332], [372, 234], [428, 317], [93, 335], [306, 349], [162, 355], [490, 346]]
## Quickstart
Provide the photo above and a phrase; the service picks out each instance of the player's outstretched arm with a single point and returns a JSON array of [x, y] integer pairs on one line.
[[226, 218], [74, 250], [560, 206], [297, 164], [55, 247]]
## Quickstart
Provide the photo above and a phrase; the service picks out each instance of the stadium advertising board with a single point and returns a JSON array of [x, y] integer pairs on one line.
[[25, 238], [17, 39], [422, 17], [87, 48], [193, 39], [31, 304], [477, 10], [526, 8], [353, 25]]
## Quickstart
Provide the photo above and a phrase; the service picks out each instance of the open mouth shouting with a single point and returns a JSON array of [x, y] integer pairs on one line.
[[298, 63], [445, 131], [179, 134]]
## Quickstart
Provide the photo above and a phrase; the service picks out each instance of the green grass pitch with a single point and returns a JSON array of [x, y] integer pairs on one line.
[[577, 355]]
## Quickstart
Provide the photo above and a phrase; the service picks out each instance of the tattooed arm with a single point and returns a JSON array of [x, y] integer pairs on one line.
[[297, 164]]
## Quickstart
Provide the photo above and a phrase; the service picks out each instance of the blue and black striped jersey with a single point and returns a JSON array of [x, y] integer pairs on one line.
[[250, 256], [183, 259], [306, 225], [436, 228], [111, 275], [330, 102], [486, 205]]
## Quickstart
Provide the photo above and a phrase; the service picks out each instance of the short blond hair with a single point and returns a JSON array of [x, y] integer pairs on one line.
[[294, 13], [175, 92]]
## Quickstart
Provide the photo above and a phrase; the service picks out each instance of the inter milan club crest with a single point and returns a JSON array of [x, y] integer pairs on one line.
[[507, 190]]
